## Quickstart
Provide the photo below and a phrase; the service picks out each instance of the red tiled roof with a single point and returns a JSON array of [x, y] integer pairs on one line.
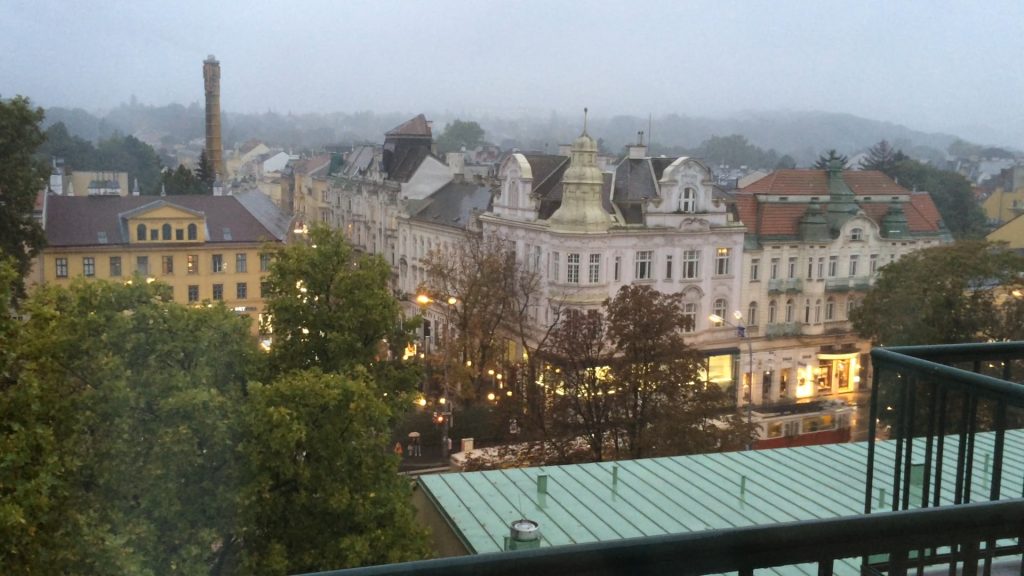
[[783, 219], [815, 183], [418, 126]]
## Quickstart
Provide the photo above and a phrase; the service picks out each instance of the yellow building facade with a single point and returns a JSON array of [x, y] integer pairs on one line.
[[206, 248]]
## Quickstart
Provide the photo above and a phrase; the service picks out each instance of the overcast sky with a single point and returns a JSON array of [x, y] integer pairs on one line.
[[941, 66]]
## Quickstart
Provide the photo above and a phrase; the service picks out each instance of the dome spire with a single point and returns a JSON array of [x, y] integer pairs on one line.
[[585, 121]]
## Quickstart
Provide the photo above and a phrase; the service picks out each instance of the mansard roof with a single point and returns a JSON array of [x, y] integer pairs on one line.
[[454, 204], [405, 161], [873, 190], [79, 220]]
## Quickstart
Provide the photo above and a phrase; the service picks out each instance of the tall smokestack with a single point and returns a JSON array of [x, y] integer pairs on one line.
[[211, 81]]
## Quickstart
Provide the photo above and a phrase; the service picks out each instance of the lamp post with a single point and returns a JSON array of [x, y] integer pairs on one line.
[[741, 332], [446, 400]]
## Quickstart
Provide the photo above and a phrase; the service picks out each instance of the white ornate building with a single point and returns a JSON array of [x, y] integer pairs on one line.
[[656, 221]]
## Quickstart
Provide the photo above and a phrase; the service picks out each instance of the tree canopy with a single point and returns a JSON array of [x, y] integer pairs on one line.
[[141, 436], [950, 191], [21, 179], [962, 292], [116, 153], [883, 157], [458, 134]]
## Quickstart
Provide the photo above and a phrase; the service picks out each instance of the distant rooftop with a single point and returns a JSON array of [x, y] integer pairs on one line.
[[657, 496]]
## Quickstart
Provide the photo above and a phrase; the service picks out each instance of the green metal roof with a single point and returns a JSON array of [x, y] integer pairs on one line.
[[691, 493]]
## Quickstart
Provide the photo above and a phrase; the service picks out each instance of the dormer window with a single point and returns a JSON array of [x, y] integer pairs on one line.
[[857, 234], [688, 201], [192, 232], [165, 231], [140, 232]]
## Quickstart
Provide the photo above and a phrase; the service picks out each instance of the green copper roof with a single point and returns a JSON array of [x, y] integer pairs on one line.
[[584, 502]]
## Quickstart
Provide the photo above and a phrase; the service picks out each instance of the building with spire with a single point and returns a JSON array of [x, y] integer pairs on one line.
[[655, 221], [815, 242]]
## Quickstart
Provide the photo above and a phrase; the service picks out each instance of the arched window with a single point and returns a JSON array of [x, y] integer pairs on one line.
[[773, 314], [193, 232], [851, 304], [140, 232], [165, 232], [856, 234], [807, 311], [830, 309], [720, 306], [817, 311], [789, 310], [688, 201], [752, 314]]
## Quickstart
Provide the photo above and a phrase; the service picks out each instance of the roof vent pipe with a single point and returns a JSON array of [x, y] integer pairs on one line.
[[523, 535]]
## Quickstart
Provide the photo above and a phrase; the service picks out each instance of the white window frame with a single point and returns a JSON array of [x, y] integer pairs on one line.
[[644, 259]]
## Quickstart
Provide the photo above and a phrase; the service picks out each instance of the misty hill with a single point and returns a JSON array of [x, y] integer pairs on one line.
[[801, 135]]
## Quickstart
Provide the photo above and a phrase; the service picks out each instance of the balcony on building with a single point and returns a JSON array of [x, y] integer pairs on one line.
[[936, 489]]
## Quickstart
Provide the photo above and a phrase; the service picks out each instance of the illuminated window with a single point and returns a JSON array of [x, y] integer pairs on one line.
[[719, 307], [722, 258], [192, 264]]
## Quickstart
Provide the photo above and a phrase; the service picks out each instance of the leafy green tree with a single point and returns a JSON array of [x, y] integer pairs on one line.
[[131, 155], [951, 193], [735, 150], [948, 294], [322, 489], [76, 152], [459, 134], [332, 307], [825, 160], [182, 181], [21, 179], [119, 432], [786, 162]]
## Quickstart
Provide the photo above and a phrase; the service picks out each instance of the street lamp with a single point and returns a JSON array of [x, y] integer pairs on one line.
[[741, 332], [446, 416]]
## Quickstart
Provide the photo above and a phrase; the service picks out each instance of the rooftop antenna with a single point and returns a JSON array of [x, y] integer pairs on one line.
[[650, 132]]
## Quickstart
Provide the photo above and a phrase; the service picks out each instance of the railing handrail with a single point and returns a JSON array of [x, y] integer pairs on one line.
[[963, 351], [740, 549], [909, 357]]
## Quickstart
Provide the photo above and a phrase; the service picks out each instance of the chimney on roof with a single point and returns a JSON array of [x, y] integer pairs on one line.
[[457, 164], [638, 150]]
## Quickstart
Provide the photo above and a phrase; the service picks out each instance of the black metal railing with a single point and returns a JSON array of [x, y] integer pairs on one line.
[[938, 455], [948, 411], [891, 539]]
